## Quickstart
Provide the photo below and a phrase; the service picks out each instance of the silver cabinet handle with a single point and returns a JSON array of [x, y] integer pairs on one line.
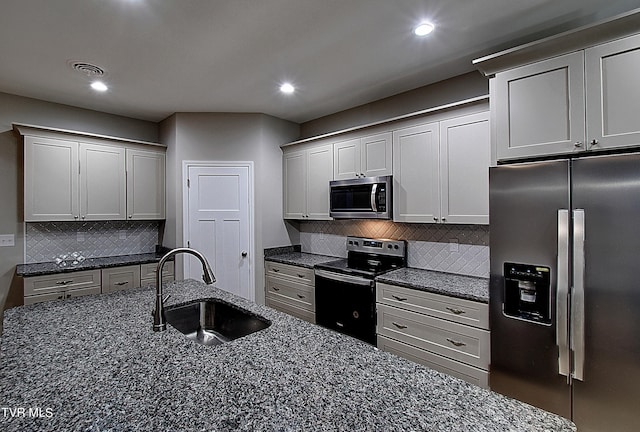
[[577, 298], [300, 296], [435, 219], [300, 275], [455, 311], [399, 298], [444, 219], [75, 217], [130, 216], [244, 254], [275, 270], [400, 326], [61, 297], [594, 142], [562, 300], [455, 342], [68, 296], [64, 282], [276, 289], [121, 283], [577, 144]]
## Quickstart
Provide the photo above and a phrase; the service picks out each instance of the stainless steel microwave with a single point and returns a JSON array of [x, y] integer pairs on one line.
[[361, 198]]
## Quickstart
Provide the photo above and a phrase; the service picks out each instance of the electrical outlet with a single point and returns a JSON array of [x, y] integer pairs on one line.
[[122, 234], [7, 240], [453, 245], [80, 236]]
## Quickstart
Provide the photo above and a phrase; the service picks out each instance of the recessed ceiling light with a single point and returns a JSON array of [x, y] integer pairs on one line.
[[99, 86], [287, 88], [424, 29]]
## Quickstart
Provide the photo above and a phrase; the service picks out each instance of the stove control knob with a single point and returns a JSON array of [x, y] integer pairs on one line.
[[395, 247], [389, 246], [355, 243], [350, 242]]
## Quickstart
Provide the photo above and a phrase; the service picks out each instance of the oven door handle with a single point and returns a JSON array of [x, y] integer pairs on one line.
[[344, 278]]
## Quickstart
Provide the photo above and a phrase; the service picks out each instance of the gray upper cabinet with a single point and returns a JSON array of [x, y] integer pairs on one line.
[[539, 108], [306, 176], [587, 100], [368, 156], [613, 94], [145, 184], [101, 179]]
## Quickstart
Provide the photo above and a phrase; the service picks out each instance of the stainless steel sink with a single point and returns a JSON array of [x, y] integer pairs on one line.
[[213, 322]]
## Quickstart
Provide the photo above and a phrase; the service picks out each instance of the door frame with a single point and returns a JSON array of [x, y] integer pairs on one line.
[[186, 164]]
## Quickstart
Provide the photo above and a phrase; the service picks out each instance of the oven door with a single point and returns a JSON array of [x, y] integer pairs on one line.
[[346, 304]]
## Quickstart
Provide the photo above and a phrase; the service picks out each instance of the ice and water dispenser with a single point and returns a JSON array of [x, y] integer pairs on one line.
[[527, 292]]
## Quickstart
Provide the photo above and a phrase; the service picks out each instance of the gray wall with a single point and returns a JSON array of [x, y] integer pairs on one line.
[[16, 109], [444, 92], [231, 137]]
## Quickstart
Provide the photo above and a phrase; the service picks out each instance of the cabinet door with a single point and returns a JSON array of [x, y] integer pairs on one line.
[[375, 155], [540, 108], [102, 182], [346, 160], [613, 93], [465, 156], [145, 184], [416, 187], [120, 278], [50, 180], [319, 174], [295, 185]]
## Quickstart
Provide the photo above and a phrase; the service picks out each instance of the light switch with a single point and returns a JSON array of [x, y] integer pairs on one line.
[[7, 240], [453, 245]]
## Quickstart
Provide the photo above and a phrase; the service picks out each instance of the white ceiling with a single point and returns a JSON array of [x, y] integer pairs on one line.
[[166, 56]]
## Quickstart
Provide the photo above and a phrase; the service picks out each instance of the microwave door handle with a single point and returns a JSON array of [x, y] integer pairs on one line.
[[374, 189]]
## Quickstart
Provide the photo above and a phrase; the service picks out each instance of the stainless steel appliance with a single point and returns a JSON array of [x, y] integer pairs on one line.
[[345, 288], [565, 290], [361, 198]]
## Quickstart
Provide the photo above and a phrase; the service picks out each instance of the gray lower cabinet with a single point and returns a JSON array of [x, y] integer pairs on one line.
[[61, 286], [148, 273], [291, 289], [120, 278], [444, 333]]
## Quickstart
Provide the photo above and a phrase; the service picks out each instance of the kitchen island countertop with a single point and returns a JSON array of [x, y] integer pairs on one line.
[[93, 363]]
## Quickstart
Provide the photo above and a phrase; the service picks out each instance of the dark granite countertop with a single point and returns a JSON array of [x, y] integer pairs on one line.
[[40, 269], [453, 285], [94, 363], [300, 259]]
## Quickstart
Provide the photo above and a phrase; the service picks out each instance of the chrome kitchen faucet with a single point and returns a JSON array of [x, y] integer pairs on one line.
[[159, 321]]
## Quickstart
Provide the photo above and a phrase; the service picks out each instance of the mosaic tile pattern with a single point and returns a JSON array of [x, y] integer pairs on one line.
[[429, 245], [94, 239]]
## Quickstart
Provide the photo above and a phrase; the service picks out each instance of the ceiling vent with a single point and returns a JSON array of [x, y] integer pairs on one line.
[[87, 68]]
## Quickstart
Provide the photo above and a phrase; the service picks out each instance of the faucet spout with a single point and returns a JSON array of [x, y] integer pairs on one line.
[[159, 321]]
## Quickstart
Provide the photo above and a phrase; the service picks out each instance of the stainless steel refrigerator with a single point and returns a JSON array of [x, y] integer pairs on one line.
[[565, 288]]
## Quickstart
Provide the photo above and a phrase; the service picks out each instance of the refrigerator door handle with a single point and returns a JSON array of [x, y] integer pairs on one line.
[[562, 296], [577, 297]]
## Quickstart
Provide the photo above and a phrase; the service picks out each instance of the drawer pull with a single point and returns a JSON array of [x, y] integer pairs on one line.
[[400, 326], [64, 282], [121, 283], [60, 297], [275, 270], [456, 343], [399, 298], [455, 311], [68, 296], [300, 296], [276, 289], [300, 275]]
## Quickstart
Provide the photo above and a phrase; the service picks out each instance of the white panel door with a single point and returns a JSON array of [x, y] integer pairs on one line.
[[50, 180], [375, 155], [346, 159], [319, 174], [102, 182], [613, 93], [145, 184], [465, 156], [540, 108], [219, 226], [416, 183]]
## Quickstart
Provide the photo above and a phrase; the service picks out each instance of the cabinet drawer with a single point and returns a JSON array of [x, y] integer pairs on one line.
[[463, 371], [60, 282], [120, 278], [293, 293], [291, 310], [440, 306], [148, 271], [299, 274], [61, 295], [455, 341]]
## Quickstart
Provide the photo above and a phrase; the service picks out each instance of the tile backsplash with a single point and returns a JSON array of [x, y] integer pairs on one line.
[[461, 249], [47, 240]]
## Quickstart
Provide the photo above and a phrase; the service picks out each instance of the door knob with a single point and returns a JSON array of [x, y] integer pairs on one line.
[[244, 254]]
